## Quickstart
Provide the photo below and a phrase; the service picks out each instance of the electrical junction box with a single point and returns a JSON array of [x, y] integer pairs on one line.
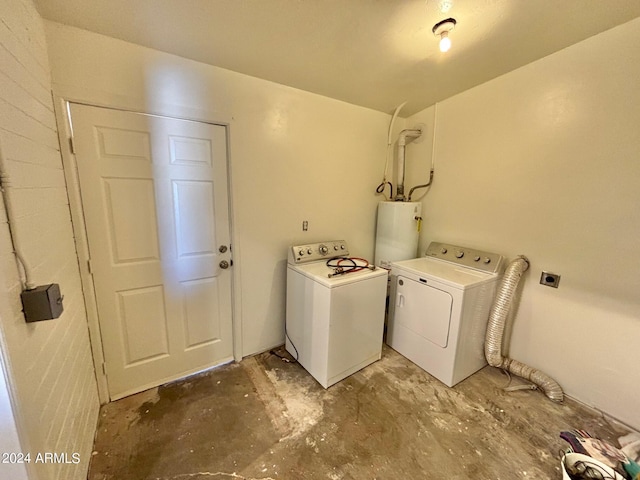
[[42, 303]]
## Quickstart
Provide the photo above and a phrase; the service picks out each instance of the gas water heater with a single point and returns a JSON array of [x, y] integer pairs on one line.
[[397, 232], [399, 221]]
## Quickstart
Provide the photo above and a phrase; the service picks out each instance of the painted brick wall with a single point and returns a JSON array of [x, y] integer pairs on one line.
[[50, 367]]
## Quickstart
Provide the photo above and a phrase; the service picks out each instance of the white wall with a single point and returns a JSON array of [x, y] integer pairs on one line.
[[294, 156], [49, 363], [9, 437], [544, 161]]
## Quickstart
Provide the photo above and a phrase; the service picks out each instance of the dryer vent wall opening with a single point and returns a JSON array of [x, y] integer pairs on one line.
[[495, 331]]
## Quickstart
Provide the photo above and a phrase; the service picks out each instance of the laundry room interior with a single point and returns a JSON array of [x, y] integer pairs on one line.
[[528, 145]]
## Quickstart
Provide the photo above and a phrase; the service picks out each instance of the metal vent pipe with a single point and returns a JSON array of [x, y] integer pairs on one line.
[[402, 142]]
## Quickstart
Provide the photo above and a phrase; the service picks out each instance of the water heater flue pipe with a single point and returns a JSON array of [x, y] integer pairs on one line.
[[495, 331], [402, 142]]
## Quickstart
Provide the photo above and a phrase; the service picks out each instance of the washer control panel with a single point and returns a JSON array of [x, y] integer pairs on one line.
[[467, 257], [313, 252]]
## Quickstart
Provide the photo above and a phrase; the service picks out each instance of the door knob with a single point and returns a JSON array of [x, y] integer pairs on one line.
[[224, 264], [222, 248]]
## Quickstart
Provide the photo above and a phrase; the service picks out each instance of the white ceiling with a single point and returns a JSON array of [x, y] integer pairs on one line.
[[374, 53]]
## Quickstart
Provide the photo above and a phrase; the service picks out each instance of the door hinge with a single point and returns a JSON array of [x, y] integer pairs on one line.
[[89, 267], [104, 369], [72, 145]]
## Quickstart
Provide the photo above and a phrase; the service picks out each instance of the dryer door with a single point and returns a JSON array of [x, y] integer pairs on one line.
[[423, 309]]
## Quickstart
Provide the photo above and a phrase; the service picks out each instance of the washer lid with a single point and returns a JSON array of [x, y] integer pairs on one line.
[[319, 272], [441, 271]]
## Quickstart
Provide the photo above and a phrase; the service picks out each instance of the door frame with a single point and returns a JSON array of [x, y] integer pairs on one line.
[[70, 167]]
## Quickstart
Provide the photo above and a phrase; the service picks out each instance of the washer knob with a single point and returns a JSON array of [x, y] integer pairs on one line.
[[487, 260], [323, 249], [309, 251], [342, 247], [301, 252], [444, 250], [476, 258], [335, 247], [459, 254]]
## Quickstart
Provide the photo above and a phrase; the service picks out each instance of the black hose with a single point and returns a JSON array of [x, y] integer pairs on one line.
[[339, 269], [382, 186]]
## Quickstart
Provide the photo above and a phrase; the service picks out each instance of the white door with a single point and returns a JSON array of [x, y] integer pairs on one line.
[[424, 310], [155, 202]]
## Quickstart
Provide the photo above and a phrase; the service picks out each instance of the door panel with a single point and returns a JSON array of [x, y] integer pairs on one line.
[[144, 324], [155, 200], [190, 151], [130, 211], [195, 228], [201, 301], [423, 309]]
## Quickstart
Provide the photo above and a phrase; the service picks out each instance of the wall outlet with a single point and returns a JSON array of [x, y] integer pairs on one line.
[[550, 279]]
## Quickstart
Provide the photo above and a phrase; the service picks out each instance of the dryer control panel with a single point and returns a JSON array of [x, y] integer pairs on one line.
[[313, 252], [465, 256]]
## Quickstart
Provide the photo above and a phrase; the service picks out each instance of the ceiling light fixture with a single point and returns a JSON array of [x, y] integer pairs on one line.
[[442, 29]]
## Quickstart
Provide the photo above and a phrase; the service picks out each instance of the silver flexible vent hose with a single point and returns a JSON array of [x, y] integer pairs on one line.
[[495, 331]]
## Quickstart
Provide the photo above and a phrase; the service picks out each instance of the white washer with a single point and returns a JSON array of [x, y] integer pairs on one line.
[[439, 306], [334, 324]]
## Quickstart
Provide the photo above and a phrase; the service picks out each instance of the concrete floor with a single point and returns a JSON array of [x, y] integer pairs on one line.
[[267, 419]]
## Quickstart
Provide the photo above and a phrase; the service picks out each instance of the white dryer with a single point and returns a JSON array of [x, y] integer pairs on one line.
[[334, 321], [439, 306]]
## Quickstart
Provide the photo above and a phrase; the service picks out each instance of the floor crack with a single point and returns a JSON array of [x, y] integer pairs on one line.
[[212, 474]]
